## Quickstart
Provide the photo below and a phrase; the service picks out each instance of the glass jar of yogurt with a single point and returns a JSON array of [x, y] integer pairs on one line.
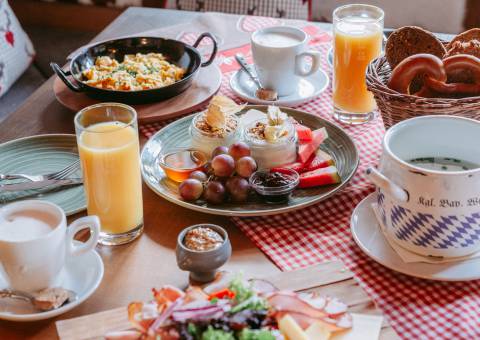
[[206, 139], [271, 152]]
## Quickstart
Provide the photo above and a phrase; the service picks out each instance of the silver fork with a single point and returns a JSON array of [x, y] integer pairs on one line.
[[61, 174]]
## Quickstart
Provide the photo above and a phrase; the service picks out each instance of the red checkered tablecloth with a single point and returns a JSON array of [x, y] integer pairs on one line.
[[417, 309]]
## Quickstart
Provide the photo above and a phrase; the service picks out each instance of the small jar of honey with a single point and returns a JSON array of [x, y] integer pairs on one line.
[[179, 163]]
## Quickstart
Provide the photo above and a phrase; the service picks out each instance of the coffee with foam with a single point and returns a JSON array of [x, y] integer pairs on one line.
[[277, 39], [35, 243], [26, 225]]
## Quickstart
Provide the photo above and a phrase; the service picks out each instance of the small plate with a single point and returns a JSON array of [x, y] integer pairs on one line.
[[368, 236], [339, 145], [308, 88], [82, 274], [40, 155]]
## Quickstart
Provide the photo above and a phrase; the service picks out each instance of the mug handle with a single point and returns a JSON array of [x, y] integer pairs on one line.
[[87, 222], [377, 178], [300, 70]]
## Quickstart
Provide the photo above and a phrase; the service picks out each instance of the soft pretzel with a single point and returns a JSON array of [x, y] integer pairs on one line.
[[418, 64], [457, 64]]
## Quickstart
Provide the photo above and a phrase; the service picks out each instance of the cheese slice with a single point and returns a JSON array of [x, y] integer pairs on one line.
[[290, 329], [365, 327], [318, 331]]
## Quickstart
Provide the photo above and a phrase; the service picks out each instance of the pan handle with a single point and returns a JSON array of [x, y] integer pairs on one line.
[[64, 77], [214, 50]]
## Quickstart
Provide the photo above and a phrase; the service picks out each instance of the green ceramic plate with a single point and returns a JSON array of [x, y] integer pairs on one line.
[[176, 134], [43, 154]]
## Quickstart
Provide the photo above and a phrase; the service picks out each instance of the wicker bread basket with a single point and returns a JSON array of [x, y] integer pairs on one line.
[[396, 107]]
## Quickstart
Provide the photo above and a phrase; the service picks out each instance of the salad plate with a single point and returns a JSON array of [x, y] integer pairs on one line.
[[329, 284], [339, 145]]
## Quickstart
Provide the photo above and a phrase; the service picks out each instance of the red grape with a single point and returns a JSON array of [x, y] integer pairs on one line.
[[239, 150], [190, 189], [238, 188], [198, 175], [246, 166], [215, 192], [219, 150], [223, 165]]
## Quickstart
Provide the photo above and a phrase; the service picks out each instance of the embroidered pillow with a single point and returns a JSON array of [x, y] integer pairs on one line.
[[16, 49]]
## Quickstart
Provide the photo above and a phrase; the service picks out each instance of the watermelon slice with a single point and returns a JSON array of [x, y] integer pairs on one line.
[[304, 133], [320, 159], [307, 149], [322, 176], [297, 166]]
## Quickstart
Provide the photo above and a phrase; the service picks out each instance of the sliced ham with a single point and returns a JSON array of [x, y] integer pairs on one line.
[[262, 287], [222, 281], [291, 302], [141, 315], [195, 293], [167, 294]]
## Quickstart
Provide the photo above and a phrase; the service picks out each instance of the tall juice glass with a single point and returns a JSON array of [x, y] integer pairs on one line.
[[107, 138], [358, 34]]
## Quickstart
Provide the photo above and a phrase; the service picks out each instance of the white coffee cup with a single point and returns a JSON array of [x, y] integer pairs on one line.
[[35, 242], [279, 55]]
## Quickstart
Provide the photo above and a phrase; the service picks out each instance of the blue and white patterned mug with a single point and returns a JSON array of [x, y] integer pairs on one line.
[[428, 207]]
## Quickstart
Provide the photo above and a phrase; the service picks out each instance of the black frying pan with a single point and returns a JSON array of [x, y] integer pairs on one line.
[[175, 52]]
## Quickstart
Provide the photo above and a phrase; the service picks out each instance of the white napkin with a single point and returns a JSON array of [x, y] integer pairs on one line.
[[410, 257]]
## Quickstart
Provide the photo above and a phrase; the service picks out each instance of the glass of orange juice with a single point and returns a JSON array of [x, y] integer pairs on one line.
[[107, 138], [358, 34]]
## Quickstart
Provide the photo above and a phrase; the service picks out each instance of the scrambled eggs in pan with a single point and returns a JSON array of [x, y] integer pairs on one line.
[[136, 72]]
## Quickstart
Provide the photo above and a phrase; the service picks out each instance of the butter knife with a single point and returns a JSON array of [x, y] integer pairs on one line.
[[50, 184]]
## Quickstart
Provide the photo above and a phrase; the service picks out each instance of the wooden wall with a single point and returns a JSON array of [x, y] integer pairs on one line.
[[64, 15]]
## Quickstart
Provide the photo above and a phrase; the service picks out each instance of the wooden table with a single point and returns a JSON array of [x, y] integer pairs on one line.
[[130, 270]]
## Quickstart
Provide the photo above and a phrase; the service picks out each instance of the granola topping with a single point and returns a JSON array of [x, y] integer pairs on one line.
[[218, 120], [270, 133], [274, 128], [220, 132]]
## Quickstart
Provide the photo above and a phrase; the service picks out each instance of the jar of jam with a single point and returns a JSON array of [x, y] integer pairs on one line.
[[275, 186]]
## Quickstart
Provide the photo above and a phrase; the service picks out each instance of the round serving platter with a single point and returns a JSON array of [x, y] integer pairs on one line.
[[339, 145]]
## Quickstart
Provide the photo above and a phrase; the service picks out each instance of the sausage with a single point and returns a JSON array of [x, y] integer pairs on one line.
[[455, 64], [417, 64]]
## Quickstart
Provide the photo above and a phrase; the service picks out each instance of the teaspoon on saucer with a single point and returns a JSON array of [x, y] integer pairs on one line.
[[261, 93], [44, 300]]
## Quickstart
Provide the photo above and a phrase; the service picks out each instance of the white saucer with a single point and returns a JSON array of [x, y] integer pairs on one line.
[[82, 274], [309, 88], [368, 236]]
